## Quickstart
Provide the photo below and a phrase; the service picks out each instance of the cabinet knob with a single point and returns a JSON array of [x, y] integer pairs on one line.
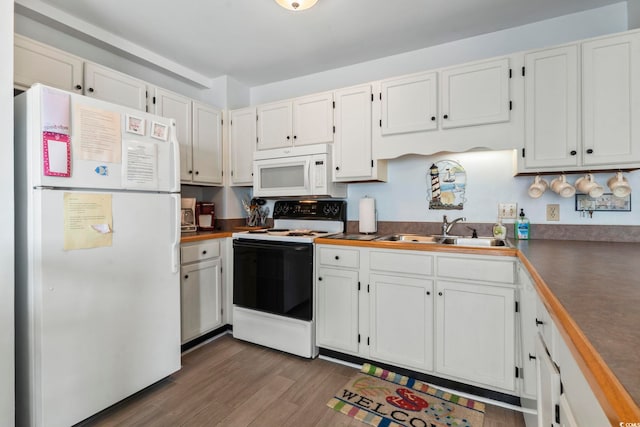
[[539, 322], [446, 116], [186, 276], [90, 90], [428, 293], [440, 293], [433, 118], [204, 252], [573, 152], [197, 172], [531, 357], [590, 151], [337, 257], [337, 168], [295, 136], [288, 137], [320, 279], [190, 172], [78, 87]]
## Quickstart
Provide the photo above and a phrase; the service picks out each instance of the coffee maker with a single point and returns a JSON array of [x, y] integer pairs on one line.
[[188, 218], [205, 215]]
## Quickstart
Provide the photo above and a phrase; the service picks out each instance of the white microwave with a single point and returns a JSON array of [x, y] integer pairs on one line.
[[295, 172]]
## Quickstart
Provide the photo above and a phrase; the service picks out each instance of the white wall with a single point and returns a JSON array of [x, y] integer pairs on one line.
[[633, 10], [7, 411], [490, 180], [595, 22]]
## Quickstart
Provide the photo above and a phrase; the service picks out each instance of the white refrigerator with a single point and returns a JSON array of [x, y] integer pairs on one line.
[[97, 254]]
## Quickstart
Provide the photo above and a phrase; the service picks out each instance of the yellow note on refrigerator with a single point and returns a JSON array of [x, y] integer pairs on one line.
[[88, 220]]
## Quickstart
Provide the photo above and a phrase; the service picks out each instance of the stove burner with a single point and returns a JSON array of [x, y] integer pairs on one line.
[[276, 230]]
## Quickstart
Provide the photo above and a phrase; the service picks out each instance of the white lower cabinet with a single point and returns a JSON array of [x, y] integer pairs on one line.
[[337, 309], [385, 305], [401, 328], [201, 289], [475, 333]]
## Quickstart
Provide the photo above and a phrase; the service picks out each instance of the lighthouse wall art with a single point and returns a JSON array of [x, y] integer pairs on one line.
[[448, 181]]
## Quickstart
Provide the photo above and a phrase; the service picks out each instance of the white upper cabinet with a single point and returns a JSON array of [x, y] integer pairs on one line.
[[409, 104], [475, 94], [452, 109], [242, 142], [177, 107], [113, 86], [313, 119], [352, 147], [552, 108], [611, 100], [275, 125], [207, 144], [38, 63], [302, 121], [582, 103]]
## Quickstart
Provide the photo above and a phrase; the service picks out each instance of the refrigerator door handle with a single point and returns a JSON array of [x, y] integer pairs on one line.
[[175, 247], [175, 149]]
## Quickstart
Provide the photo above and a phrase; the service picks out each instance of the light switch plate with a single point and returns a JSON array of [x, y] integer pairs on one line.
[[553, 212], [507, 210]]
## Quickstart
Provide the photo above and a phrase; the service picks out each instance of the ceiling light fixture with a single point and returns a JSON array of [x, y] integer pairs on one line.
[[296, 5]]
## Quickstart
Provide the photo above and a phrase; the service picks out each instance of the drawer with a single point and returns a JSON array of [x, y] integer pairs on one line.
[[200, 251], [338, 257], [482, 269], [401, 262]]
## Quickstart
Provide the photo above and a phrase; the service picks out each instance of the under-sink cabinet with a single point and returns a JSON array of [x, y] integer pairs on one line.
[[449, 315], [201, 284]]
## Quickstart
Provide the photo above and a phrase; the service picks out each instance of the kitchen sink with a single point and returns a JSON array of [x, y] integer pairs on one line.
[[444, 240], [472, 241], [409, 238]]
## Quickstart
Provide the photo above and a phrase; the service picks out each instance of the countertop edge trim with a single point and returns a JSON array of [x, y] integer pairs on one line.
[[616, 402], [206, 236]]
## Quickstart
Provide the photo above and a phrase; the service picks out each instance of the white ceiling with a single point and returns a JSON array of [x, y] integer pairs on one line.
[[257, 42]]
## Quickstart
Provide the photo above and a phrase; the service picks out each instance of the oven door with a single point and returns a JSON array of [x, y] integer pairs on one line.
[[275, 277]]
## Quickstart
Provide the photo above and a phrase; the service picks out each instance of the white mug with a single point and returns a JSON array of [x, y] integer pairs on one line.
[[619, 185], [538, 187], [588, 185], [562, 187]]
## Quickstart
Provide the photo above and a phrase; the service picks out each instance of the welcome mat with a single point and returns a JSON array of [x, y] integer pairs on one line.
[[383, 398]]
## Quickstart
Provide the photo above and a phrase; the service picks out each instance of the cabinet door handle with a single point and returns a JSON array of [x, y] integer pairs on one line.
[[337, 257], [190, 172], [428, 292], [295, 136], [204, 252], [288, 137], [590, 151], [186, 276], [440, 293], [337, 168], [320, 279], [78, 87], [90, 90], [433, 118], [531, 357], [197, 172], [539, 322], [446, 116], [573, 152]]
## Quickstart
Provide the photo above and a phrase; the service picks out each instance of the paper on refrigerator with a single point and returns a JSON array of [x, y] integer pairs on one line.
[[97, 134], [88, 221]]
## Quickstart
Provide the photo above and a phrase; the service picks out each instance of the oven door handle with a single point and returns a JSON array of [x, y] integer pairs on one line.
[[259, 245]]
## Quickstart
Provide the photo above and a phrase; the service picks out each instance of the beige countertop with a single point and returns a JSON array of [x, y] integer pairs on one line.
[[197, 236], [592, 291]]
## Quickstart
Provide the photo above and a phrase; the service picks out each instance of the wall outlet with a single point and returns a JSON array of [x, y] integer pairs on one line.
[[507, 210], [553, 212]]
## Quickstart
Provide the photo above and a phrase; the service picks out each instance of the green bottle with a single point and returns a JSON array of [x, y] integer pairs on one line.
[[522, 227]]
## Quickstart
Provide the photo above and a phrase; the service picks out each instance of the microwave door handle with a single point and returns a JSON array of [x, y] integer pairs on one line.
[[307, 184]]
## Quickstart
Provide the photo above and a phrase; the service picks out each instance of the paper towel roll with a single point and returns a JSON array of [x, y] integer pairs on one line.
[[367, 215]]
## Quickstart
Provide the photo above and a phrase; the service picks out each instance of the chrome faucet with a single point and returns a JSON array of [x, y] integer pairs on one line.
[[446, 225]]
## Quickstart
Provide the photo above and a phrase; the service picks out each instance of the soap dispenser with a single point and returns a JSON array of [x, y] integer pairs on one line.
[[522, 227]]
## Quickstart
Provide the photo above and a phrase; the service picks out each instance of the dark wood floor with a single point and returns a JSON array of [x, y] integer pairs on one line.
[[230, 383]]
